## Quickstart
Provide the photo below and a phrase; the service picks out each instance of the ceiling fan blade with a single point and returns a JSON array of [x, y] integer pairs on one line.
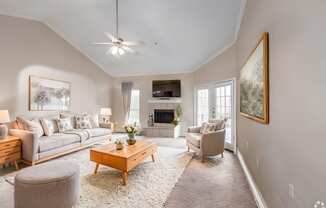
[[132, 43], [130, 50], [112, 38], [105, 43]]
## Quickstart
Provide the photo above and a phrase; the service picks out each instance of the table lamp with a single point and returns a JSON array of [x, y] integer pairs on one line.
[[4, 118], [106, 113]]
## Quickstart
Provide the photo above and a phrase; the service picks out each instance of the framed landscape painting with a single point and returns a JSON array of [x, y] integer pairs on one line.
[[48, 94], [254, 83]]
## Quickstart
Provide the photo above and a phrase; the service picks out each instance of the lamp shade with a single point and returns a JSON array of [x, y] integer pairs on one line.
[[4, 116], [106, 112]]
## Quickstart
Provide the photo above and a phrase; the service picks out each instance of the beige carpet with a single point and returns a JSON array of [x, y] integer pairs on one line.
[[148, 185], [217, 183]]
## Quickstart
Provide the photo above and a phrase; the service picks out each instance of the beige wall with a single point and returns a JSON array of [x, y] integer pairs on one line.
[[144, 84], [223, 67], [31, 48], [291, 149]]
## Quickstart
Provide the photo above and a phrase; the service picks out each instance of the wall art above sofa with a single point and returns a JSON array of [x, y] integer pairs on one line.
[[48, 94]]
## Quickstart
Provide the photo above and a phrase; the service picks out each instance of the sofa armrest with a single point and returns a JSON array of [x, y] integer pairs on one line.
[[29, 143], [194, 129], [213, 142]]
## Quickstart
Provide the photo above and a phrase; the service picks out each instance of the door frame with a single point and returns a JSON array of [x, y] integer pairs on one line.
[[208, 85]]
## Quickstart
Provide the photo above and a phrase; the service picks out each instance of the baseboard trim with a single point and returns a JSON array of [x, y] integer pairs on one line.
[[253, 186]]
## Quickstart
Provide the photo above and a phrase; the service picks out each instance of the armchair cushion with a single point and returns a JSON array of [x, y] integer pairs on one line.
[[194, 139]]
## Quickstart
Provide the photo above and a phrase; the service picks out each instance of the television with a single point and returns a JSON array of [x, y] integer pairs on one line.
[[166, 88]]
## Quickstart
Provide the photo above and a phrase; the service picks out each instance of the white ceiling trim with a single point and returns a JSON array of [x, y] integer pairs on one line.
[[235, 38]]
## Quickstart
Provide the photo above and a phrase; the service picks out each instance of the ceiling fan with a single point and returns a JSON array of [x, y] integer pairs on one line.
[[119, 46]]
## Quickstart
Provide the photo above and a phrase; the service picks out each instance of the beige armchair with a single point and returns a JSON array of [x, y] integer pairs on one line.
[[207, 143]]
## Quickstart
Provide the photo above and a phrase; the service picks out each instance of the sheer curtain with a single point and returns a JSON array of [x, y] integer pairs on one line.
[[126, 89]]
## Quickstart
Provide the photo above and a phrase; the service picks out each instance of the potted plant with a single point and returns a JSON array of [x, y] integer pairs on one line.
[[178, 114], [131, 131], [119, 144]]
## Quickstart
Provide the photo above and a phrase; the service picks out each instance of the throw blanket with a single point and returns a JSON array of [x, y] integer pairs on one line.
[[83, 134]]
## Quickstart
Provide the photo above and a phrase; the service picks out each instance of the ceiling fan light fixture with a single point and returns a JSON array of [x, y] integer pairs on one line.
[[118, 45], [114, 50], [121, 51]]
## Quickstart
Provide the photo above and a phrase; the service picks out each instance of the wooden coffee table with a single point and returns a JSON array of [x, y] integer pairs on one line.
[[125, 159]]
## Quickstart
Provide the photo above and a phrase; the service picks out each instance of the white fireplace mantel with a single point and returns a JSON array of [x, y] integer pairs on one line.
[[165, 101]]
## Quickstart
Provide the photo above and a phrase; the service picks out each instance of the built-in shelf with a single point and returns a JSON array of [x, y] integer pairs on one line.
[[165, 101]]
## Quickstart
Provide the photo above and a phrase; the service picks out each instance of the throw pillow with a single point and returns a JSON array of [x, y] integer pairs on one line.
[[48, 126], [82, 122], [203, 128], [33, 125], [220, 123], [64, 124], [210, 127], [21, 123], [71, 116], [94, 120]]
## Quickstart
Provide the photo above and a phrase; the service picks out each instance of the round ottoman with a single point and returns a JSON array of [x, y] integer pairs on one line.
[[51, 185]]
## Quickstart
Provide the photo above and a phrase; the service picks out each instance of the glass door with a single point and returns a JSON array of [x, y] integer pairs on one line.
[[216, 101]]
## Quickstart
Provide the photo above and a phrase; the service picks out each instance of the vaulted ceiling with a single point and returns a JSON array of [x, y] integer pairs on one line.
[[187, 32]]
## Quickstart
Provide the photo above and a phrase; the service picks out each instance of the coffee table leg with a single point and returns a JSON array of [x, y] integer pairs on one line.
[[153, 158], [125, 178], [96, 168], [16, 165]]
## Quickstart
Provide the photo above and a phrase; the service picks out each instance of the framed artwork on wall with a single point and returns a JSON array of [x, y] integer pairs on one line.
[[48, 94], [254, 83]]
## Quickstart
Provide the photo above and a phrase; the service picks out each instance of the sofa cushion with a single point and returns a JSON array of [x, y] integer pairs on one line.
[[82, 133], [57, 140], [99, 132], [194, 138]]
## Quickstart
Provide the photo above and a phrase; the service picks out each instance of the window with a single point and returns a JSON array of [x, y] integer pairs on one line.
[[134, 107], [202, 103]]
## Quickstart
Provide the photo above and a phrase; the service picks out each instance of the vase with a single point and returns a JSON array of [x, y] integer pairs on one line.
[[131, 140]]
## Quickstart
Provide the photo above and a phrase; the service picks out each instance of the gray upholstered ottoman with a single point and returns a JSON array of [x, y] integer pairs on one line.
[[49, 185]]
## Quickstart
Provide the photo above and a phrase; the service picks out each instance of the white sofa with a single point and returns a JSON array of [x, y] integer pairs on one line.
[[36, 149]]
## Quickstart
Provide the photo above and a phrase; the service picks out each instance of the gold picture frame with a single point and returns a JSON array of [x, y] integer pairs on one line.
[[48, 94], [254, 83]]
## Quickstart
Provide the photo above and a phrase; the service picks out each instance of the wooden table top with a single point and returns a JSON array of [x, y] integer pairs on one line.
[[9, 139], [127, 151]]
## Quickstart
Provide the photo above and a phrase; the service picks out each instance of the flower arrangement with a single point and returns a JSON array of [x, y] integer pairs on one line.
[[178, 114], [131, 130]]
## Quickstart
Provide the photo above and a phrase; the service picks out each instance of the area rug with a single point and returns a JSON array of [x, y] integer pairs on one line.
[[149, 184]]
